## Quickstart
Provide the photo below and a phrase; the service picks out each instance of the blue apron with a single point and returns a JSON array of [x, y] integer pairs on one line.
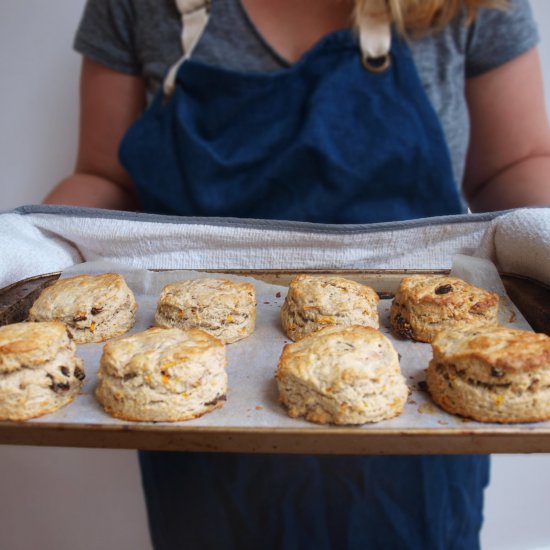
[[322, 141]]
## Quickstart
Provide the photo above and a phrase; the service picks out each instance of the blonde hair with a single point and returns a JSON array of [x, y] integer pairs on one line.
[[417, 17]]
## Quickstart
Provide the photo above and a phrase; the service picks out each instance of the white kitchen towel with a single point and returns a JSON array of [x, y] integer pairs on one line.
[[45, 239], [520, 243]]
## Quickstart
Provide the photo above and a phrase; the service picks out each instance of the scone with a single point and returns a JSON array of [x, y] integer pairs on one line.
[[491, 374], [314, 302], [94, 307], [342, 375], [162, 375], [223, 308], [39, 372], [426, 304]]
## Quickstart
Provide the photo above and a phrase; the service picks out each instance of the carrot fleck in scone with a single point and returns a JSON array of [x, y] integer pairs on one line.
[[342, 375], [39, 372], [226, 309], [163, 375], [94, 307], [426, 304], [491, 374], [314, 302]]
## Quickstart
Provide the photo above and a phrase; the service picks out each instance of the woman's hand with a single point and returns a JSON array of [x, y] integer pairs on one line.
[[508, 162], [109, 103]]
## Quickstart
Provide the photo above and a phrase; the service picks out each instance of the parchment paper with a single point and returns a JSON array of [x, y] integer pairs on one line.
[[252, 399]]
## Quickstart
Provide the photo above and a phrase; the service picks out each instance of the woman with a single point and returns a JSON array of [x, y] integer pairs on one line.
[[278, 110]]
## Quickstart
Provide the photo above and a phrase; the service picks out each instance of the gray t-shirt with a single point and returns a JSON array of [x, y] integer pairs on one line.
[[142, 37]]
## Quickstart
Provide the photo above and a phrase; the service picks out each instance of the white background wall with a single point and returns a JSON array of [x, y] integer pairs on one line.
[[68, 499]]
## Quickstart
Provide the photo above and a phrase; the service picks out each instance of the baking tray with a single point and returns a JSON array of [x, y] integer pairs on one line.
[[431, 431]]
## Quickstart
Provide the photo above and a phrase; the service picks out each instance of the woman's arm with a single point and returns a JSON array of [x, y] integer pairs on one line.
[[109, 103], [508, 162]]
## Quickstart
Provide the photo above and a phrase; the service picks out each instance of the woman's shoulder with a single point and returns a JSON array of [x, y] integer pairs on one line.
[[143, 37], [136, 37], [496, 36]]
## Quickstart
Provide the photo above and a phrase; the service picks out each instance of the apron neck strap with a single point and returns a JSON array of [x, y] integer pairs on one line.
[[194, 17], [371, 18], [373, 23]]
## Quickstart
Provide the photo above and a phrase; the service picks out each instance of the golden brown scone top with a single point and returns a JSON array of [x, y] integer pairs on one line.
[[505, 349], [326, 358], [201, 291], [31, 344], [80, 294], [156, 349], [315, 289], [447, 291]]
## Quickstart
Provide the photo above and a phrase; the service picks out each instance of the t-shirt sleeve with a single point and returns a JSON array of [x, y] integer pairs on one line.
[[498, 36], [106, 35]]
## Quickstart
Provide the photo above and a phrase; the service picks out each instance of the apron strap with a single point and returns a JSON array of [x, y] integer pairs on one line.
[[373, 23], [194, 18]]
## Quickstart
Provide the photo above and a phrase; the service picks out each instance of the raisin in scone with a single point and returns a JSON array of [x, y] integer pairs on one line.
[[94, 307], [226, 309], [427, 304], [39, 372], [314, 302], [342, 375], [162, 375], [491, 374]]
